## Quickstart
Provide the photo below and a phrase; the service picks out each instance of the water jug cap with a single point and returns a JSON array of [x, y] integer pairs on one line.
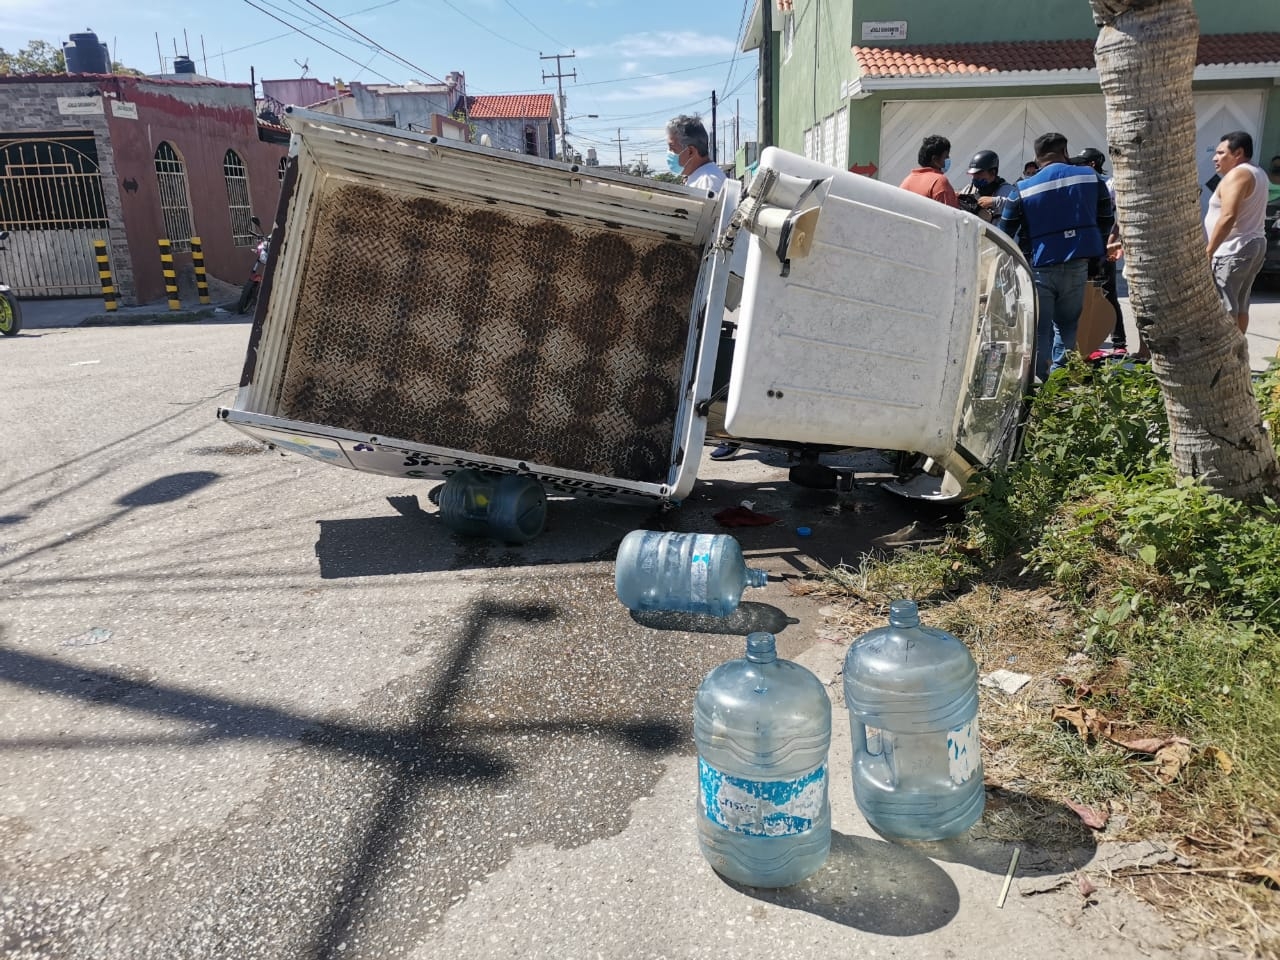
[[761, 647], [904, 613]]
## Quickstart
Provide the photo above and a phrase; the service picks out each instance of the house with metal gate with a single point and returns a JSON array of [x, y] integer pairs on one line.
[[130, 160], [859, 83]]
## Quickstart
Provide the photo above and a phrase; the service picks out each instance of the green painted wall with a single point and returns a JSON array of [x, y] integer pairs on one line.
[[821, 59], [807, 86], [946, 21]]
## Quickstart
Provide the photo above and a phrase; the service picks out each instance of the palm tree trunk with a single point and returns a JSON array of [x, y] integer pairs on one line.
[[1146, 55]]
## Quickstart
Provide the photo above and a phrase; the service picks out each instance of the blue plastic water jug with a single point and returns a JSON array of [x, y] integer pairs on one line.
[[763, 728], [505, 507], [686, 572], [912, 694]]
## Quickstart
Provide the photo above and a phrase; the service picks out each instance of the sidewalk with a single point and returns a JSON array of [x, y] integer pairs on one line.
[[92, 312], [1264, 324]]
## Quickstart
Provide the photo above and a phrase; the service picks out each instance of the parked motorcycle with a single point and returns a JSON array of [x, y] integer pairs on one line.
[[249, 292], [10, 311]]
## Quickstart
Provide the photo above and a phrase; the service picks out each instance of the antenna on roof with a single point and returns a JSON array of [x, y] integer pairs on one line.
[[305, 65]]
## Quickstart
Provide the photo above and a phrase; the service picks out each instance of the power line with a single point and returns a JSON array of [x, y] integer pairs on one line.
[[534, 25], [486, 29], [645, 76], [281, 36], [307, 18], [314, 40], [742, 22], [394, 56]]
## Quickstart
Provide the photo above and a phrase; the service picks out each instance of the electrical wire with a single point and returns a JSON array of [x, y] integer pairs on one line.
[[737, 46], [308, 19], [468, 16], [314, 40], [394, 56], [534, 25], [281, 36]]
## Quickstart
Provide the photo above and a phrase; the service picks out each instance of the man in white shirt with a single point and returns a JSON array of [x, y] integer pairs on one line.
[[688, 155], [1236, 224]]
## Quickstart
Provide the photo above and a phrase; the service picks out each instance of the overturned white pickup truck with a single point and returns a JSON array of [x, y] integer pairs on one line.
[[433, 305]]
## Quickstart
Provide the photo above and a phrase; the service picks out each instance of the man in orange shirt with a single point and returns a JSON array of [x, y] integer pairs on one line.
[[929, 179]]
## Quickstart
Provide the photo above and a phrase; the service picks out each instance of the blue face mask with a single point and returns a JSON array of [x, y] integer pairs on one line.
[[946, 165], [674, 164], [979, 185]]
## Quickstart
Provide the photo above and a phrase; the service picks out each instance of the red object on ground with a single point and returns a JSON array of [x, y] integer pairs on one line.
[[742, 517]]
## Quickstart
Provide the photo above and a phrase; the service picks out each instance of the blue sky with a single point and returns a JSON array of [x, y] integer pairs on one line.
[[637, 64]]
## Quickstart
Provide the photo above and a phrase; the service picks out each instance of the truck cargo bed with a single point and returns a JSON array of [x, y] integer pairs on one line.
[[438, 295]]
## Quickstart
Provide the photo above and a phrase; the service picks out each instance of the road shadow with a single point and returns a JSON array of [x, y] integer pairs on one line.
[[416, 541], [423, 741], [871, 885]]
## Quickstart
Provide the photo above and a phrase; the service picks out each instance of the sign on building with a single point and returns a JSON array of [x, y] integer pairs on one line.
[[79, 106], [884, 30]]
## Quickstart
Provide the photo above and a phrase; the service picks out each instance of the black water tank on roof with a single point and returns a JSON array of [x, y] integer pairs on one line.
[[86, 54], [183, 65]]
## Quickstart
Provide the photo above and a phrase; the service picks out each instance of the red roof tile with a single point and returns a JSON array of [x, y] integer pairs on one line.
[[521, 107], [936, 59]]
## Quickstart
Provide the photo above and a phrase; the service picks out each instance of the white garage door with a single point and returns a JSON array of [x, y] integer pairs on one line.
[[1010, 127]]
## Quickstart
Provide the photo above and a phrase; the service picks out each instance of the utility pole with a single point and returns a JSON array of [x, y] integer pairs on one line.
[[559, 76], [644, 166], [713, 127], [766, 77], [620, 140]]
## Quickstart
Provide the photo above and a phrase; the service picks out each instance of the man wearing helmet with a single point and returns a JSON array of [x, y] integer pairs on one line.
[[986, 191], [1106, 268]]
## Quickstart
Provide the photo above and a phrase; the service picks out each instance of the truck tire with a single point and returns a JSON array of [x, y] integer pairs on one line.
[[10, 315]]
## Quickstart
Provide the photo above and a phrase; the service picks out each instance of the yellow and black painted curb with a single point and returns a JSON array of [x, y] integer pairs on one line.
[[104, 274], [197, 262], [170, 274]]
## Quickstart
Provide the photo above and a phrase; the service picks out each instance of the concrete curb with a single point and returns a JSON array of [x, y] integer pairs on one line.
[[134, 319]]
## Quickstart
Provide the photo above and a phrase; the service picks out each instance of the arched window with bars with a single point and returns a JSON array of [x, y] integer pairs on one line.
[[175, 200], [237, 178]]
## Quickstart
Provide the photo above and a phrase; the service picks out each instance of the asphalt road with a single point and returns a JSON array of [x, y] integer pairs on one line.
[[253, 706]]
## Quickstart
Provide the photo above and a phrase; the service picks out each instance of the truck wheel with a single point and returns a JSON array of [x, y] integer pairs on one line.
[[248, 296], [10, 315]]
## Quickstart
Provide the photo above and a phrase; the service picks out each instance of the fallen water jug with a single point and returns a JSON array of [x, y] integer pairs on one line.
[[506, 507], [686, 572]]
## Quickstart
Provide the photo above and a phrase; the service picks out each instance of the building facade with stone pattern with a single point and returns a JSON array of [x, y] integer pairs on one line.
[[131, 160]]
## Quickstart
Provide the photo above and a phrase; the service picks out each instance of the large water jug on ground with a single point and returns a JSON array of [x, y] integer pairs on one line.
[[505, 507], [912, 694], [686, 572], [763, 728]]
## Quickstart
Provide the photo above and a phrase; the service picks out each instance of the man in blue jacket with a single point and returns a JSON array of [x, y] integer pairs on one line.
[[1062, 215]]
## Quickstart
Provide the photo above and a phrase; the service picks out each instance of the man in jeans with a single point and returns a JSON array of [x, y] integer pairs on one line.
[[1062, 215]]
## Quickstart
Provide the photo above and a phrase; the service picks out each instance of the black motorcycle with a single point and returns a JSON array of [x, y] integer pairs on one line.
[[10, 311], [249, 292]]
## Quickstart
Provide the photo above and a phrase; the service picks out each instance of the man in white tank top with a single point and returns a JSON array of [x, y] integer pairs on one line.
[[1236, 224]]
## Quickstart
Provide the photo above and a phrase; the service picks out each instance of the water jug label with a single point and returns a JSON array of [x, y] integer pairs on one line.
[[964, 751], [762, 808], [700, 567]]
